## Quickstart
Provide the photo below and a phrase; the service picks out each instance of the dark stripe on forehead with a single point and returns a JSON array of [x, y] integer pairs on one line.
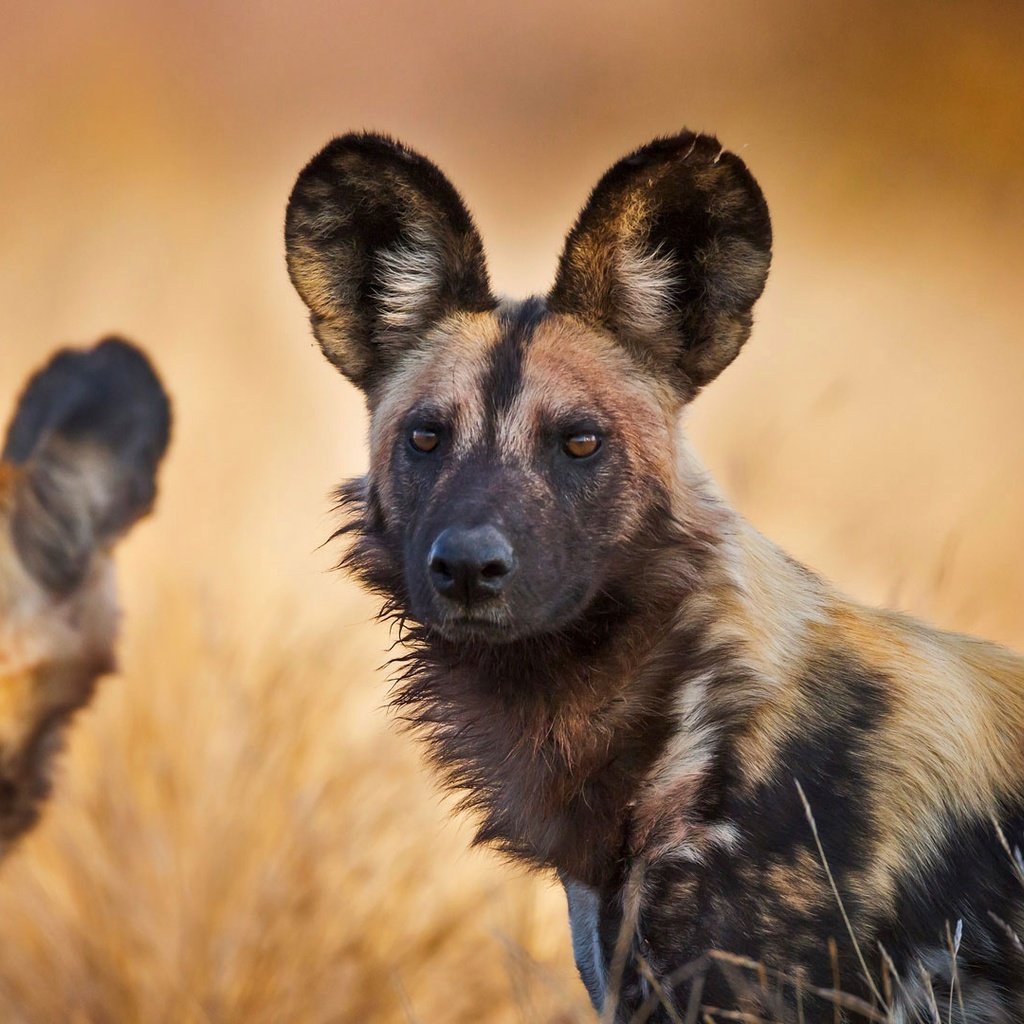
[[503, 378]]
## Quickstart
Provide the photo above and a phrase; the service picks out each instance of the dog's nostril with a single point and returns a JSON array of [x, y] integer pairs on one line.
[[440, 567], [494, 570]]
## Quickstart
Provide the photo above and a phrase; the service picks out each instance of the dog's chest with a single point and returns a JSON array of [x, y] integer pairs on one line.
[[559, 786]]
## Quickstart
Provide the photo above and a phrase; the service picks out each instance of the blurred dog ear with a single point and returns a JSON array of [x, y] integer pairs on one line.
[[670, 254], [380, 247], [87, 437]]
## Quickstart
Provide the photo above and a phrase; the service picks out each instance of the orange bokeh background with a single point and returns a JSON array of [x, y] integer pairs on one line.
[[873, 426]]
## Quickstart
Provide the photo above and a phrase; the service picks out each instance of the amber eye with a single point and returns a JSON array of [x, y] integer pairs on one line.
[[582, 446], [424, 440]]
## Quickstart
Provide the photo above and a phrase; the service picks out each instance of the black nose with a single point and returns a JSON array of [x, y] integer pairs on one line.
[[471, 565]]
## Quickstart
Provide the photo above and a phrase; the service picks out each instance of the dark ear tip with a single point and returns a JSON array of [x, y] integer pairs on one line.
[[114, 353], [111, 390], [691, 148], [687, 145], [132, 378], [332, 163], [371, 146], [727, 170], [113, 346], [694, 152]]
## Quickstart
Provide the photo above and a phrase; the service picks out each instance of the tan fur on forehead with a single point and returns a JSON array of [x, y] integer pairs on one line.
[[571, 369], [445, 372], [580, 356]]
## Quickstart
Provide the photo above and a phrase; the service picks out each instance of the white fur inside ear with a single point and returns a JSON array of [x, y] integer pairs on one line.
[[645, 289], [410, 278]]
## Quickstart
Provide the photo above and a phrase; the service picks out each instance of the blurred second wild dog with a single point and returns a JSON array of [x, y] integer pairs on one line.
[[78, 469]]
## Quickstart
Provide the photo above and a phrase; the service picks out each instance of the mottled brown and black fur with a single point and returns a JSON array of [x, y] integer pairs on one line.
[[631, 684], [78, 468]]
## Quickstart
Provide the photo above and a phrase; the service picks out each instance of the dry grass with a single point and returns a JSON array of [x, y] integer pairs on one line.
[[235, 839], [238, 833]]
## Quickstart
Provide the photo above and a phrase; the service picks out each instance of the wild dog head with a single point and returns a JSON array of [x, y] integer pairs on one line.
[[78, 468], [522, 453]]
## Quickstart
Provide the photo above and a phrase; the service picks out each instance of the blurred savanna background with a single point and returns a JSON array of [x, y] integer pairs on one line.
[[239, 832]]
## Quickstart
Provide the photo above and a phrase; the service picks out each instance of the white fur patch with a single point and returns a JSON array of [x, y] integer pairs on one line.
[[690, 750], [682, 767], [645, 280], [410, 279]]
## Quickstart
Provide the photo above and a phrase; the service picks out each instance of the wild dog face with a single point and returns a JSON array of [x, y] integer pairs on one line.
[[522, 453], [78, 468]]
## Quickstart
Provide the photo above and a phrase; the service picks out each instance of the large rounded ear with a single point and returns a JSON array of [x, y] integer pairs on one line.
[[380, 247], [670, 254], [89, 432]]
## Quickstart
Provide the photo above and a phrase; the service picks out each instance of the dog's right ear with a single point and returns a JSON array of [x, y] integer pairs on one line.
[[380, 248], [669, 254], [88, 435]]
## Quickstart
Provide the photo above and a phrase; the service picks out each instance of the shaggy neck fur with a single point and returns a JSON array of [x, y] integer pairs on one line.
[[554, 740]]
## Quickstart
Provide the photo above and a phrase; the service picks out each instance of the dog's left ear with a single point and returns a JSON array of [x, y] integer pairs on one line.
[[380, 248], [670, 254]]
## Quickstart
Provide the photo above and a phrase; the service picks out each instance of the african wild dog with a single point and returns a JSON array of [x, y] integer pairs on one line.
[[623, 678], [78, 469]]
